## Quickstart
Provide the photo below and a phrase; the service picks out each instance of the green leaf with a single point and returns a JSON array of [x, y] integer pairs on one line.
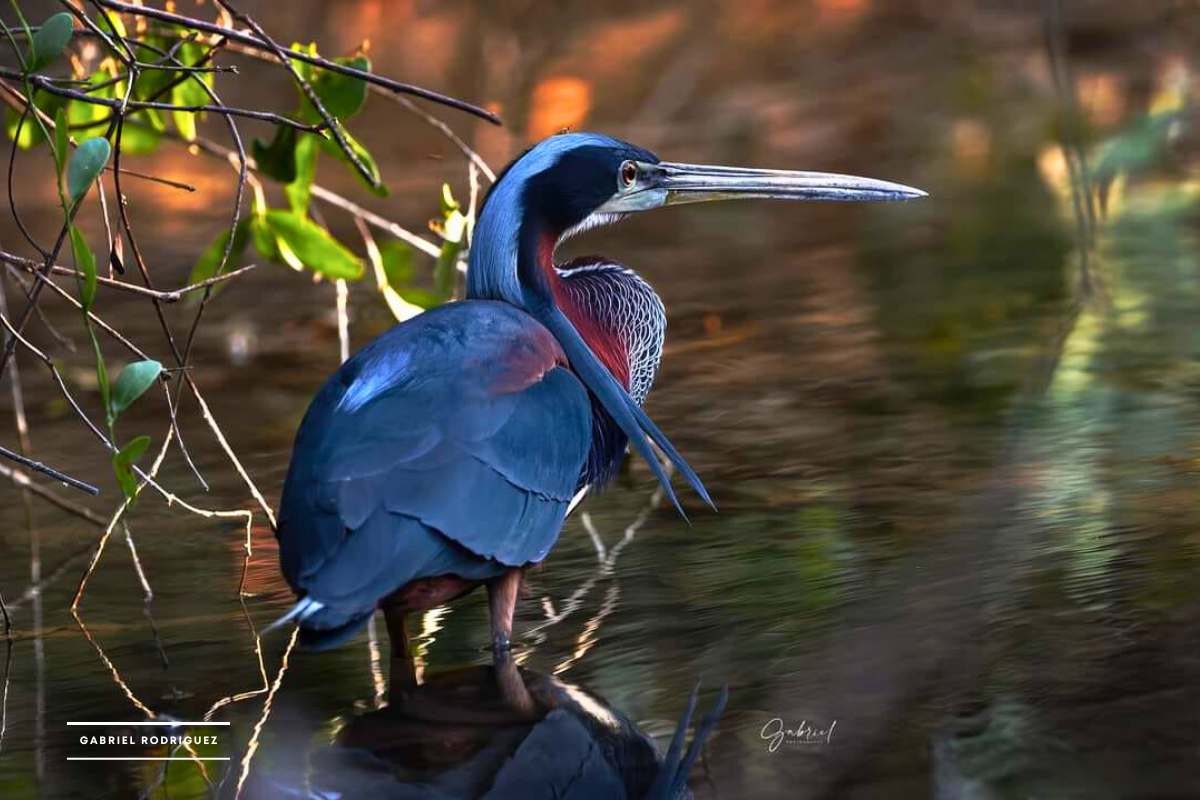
[[299, 189], [50, 39], [399, 273], [112, 24], [342, 95], [447, 201], [277, 159], [27, 135], [123, 461], [397, 263], [151, 83], [453, 232], [263, 238], [85, 165], [132, 383], [314, 246], [61, 144], [190, 92], [85, 262], [31, 132], [138, 140], [331, 146], [207, 265], [81, 113]]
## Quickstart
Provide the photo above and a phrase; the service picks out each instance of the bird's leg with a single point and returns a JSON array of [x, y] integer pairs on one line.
[[404, 672], [502, 596]]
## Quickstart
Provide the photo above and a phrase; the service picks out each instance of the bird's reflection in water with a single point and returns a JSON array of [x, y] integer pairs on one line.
[[499, 733]]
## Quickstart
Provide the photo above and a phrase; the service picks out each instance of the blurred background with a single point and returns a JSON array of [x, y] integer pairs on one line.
[[954, 442]]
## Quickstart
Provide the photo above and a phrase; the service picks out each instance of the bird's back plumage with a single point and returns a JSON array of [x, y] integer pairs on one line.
[[451, 444]]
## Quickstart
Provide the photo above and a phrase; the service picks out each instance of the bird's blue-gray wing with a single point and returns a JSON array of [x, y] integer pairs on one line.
[[462, 423]]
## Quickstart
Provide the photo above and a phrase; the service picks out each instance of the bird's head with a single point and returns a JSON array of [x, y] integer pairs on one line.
[[573, 182]]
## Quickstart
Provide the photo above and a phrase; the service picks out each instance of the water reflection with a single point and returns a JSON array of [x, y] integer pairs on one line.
[[501, 733]]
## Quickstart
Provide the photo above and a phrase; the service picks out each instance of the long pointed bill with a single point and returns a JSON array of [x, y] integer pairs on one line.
[[668, 183], [693, 183]]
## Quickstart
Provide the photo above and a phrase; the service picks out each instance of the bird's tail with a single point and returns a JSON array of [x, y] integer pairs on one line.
[[671, 781], [321, 626]]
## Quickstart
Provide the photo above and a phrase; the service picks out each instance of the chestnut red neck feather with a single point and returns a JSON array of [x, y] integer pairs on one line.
[[608, 344]]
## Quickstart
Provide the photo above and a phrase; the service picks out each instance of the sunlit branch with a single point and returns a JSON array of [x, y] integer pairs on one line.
[[332, 66], [15, 100], [171, 296], [252, 745], [47, 85]]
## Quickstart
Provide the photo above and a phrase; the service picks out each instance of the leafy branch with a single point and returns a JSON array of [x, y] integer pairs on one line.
[[132, 94]]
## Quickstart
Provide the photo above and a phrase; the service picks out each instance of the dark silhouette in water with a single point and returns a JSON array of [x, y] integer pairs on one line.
[[462, 734]]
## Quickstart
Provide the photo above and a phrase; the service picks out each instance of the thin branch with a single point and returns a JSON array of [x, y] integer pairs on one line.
[[332, 198], [25, 481], [446, 130], [182, 358], [330, 121], [48, 85], [15, 100], [94, 317], [252, 41], [336, 200], [38, 466], [409, 106], [252, 746], [172, 296]]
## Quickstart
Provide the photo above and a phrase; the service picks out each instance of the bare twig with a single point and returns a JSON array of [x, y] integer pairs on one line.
[[424, 245], [117, 516], [343, 319], [147, 592], [171, 296], [449, 133], [133, 698], [15, 100], [47, 85], [25, 481], [252, 745], [38, 466], [252, 41]]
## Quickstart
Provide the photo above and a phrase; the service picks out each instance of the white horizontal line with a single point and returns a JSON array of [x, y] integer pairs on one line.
[[164, 724], [141, 758]]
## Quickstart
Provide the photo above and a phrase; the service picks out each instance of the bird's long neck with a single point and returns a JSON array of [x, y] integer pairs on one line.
[[513, 261], [601, 332]]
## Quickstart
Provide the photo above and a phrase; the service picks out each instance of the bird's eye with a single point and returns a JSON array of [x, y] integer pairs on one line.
[[629, 172]]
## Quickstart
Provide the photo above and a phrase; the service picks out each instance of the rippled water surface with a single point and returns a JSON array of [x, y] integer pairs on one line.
[[953, 442]]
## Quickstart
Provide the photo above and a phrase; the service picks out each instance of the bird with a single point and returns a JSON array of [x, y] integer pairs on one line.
[[446, 454]]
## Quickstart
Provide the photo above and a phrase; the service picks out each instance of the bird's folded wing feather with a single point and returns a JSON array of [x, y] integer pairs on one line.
[[464, 418]]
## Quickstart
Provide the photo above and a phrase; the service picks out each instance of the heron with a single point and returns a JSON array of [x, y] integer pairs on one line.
[[446, 454]]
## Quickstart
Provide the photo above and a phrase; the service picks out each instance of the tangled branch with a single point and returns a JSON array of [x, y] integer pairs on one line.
[[154, 89]]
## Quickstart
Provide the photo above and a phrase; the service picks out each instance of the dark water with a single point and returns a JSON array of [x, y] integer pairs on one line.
[[958, 487]]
